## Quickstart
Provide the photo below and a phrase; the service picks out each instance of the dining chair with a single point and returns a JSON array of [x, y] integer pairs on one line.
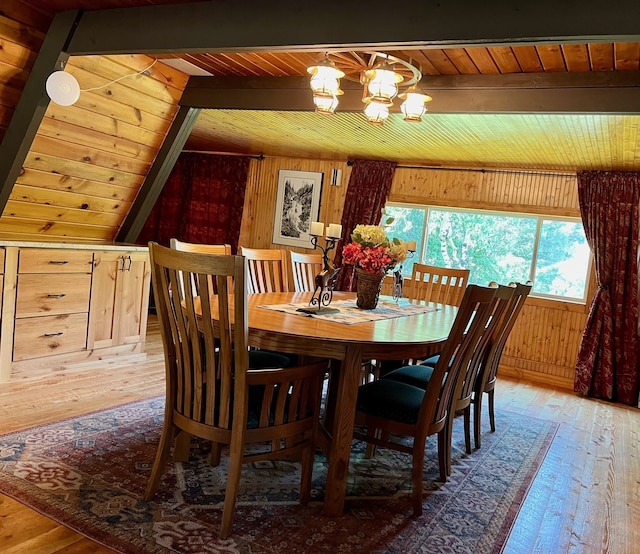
[[429, 283], [442, 285], [197, 247], [266, 269], [211, 393], [387, 409], [418, 375], [258, 359], [305, 267], [487, 377]]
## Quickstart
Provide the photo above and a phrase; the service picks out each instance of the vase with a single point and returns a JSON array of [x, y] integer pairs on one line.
[[368, 289]]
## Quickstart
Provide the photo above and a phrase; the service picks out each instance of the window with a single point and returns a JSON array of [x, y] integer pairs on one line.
[[496, 246]]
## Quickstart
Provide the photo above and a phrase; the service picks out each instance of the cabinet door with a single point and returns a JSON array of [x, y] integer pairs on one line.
[[119, 299]]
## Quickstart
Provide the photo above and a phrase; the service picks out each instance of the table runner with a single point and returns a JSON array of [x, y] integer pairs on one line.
[[350, 314]]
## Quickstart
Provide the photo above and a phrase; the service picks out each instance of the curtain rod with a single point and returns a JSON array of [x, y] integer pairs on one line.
[[488, 170]]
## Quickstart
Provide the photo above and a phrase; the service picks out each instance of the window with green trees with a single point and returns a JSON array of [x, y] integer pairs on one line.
[[496, 246]]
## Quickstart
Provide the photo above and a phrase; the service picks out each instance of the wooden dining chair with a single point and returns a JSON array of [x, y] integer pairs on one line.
[[210, 392], [487, 377], [197, 247], [305, 267], [442, 285], [266, 269], [388, 410], [419, 375]]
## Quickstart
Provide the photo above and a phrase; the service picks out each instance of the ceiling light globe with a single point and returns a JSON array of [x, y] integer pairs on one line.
[[382, 83], [62, 88], [413, 108], [376, 113], [325, 104]]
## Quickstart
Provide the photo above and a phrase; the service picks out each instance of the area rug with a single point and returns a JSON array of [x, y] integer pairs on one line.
[[89, 474]]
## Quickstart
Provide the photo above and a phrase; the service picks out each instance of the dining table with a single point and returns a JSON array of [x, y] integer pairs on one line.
[[415, 335]]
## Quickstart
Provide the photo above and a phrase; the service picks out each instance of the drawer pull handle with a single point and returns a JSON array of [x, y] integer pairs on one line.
[[60, 333], [124, 259], [58, 262], [61, 295]]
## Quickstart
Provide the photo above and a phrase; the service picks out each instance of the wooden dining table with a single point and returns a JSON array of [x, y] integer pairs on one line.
[[411, 336]]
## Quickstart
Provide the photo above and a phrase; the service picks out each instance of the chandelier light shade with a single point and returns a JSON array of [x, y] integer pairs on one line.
[[382, 83], [325, 78], [413, 107], [62, 88], [325, 104], [376, 113], [380, 74]]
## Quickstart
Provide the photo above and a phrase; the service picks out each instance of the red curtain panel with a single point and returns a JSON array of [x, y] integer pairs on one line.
[[608, 360], [202, 201], [367, 194]]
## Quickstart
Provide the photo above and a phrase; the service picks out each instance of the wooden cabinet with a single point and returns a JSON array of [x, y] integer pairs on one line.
[[119, 299], [66, 305], [52, 302]]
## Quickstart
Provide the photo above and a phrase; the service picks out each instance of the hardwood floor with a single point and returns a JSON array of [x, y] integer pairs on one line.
[[585, 499]]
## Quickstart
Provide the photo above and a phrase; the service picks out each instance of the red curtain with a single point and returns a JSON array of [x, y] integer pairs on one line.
[[202, 201], [367, 193], [607, 365]]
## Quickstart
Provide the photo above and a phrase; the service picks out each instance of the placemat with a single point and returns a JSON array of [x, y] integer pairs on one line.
[[350, 314]]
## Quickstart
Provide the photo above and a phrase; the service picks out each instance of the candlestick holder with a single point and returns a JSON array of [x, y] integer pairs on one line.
[[398, 279], [324, 281]]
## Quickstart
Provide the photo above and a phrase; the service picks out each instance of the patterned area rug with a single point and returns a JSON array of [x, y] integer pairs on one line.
[[89, 474]]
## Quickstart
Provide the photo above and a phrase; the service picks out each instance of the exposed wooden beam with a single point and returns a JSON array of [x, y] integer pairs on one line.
[[154, 182], [33, 102], [255, 25], [593, 92]]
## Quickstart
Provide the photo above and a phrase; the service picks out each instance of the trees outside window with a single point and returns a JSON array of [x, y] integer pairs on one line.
[[502, 247]]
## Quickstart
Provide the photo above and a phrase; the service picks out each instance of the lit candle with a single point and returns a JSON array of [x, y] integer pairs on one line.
[[317, 229], [411, 245], [334, 231]]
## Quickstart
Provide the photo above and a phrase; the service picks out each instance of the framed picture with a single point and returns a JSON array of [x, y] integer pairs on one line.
[[297, 205]]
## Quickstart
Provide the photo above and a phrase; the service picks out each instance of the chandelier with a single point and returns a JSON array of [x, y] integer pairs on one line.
[[381, 75]]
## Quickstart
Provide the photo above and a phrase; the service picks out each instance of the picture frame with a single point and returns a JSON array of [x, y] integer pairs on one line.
[[297, 205]]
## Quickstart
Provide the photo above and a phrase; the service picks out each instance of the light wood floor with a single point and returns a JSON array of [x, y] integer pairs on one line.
[[586, 498]]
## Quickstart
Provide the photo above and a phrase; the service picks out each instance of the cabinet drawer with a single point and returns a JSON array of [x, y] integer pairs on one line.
[[43, 336], [49, 260], [52, 294]]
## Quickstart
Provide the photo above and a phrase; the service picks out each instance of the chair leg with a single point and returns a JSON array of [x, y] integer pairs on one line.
[[160, 462], [182, 446], [306, 472], [448, 436], [492, 418], [416, 478], [477, 416], [236, 454], [442, 454], [216, 452], [467, 429]]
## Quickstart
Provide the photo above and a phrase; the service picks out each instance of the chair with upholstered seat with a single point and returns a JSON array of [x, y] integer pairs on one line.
[[387, 409], [418, 375], [211, 393], [442, 285], [486, 380], [305, 267], [266, 269]]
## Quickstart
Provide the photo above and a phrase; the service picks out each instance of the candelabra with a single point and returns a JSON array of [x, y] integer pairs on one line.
[[398, 279], [326, 279]]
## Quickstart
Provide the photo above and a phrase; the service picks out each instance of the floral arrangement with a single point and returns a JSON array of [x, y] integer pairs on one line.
[[372, 251]]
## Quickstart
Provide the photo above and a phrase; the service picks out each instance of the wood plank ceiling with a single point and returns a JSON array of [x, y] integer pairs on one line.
[[552, 141]]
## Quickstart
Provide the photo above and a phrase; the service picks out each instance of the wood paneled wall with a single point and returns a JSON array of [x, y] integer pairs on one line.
[[544, 343], [88, 161]]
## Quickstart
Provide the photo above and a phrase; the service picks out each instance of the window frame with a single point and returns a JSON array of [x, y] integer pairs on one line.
[[538, 217]]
